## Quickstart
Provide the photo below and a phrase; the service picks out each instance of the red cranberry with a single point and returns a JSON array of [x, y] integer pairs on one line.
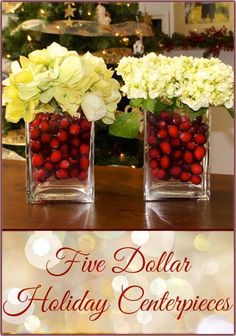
[[64, 164], [195, 179], [39, 115], [35, 122], [190, 145], [153, 164], [53, 126], [154, 153], [55, 156], [75, 142], [188, 157], [165, 147], [152, 119], [199, 153], [84, 163], [162, 124], [175, 142], [196, 168], [83, 176], [200, 139], [62, 136], [185, 136], [85, 125], [160, 174], [45, 138], [203, 129], [64, 123], [44, 126], [64, 148], [54, 143], [193, 129], [176, 119], [162, 134], [44, 117], [41, 175], [34, 133], [165, 115], [165, 162], [154, 172], [151, 129], [37, 160], [175, 171], [185, 125], [185, 176], [74, 172], [62, 174], [74, 153], [35, 146], [152, 141], [74, 129], [173, 131], [176, 155], [84, 149], [48, 165]]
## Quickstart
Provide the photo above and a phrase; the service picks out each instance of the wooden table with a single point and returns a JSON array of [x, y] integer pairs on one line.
[[118, 205]]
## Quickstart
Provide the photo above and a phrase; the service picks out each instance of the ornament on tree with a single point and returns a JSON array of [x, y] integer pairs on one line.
[[69, 13], [100, 13], [107, 20], [10, 7], [103, 17], [147, 19], [138, 48]]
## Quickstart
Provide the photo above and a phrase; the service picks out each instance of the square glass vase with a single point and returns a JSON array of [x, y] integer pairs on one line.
[[60, 159], [176, 156]]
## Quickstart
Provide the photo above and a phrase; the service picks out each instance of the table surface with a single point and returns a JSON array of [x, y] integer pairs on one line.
[[118, 205]]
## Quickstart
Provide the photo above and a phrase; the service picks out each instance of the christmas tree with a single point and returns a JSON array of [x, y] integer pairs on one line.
[[108, 29]]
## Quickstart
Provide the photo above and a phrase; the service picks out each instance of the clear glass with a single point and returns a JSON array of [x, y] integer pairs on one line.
[[176, 156], [60, 158]]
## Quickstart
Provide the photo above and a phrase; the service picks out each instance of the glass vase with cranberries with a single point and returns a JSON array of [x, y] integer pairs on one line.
[[60, 158], [176, 155]]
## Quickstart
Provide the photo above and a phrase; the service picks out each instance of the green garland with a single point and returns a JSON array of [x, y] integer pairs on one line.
[[17, 44]]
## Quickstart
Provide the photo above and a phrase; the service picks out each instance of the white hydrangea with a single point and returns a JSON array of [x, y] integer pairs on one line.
[[196, 82]]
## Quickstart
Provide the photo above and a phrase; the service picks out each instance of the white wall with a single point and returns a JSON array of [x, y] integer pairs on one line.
[[222, 136], [164, 9]]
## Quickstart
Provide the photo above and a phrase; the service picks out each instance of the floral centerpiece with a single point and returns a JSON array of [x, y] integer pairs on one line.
[[176, 93], [60, 94]]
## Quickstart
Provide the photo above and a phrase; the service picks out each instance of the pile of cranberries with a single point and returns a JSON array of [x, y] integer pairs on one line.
[[59, 146], [176, 146]]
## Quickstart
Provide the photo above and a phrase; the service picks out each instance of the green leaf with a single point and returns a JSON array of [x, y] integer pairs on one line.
[[160, 106], [194, 114], [149, 104], [136, 102], [125, 126]]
